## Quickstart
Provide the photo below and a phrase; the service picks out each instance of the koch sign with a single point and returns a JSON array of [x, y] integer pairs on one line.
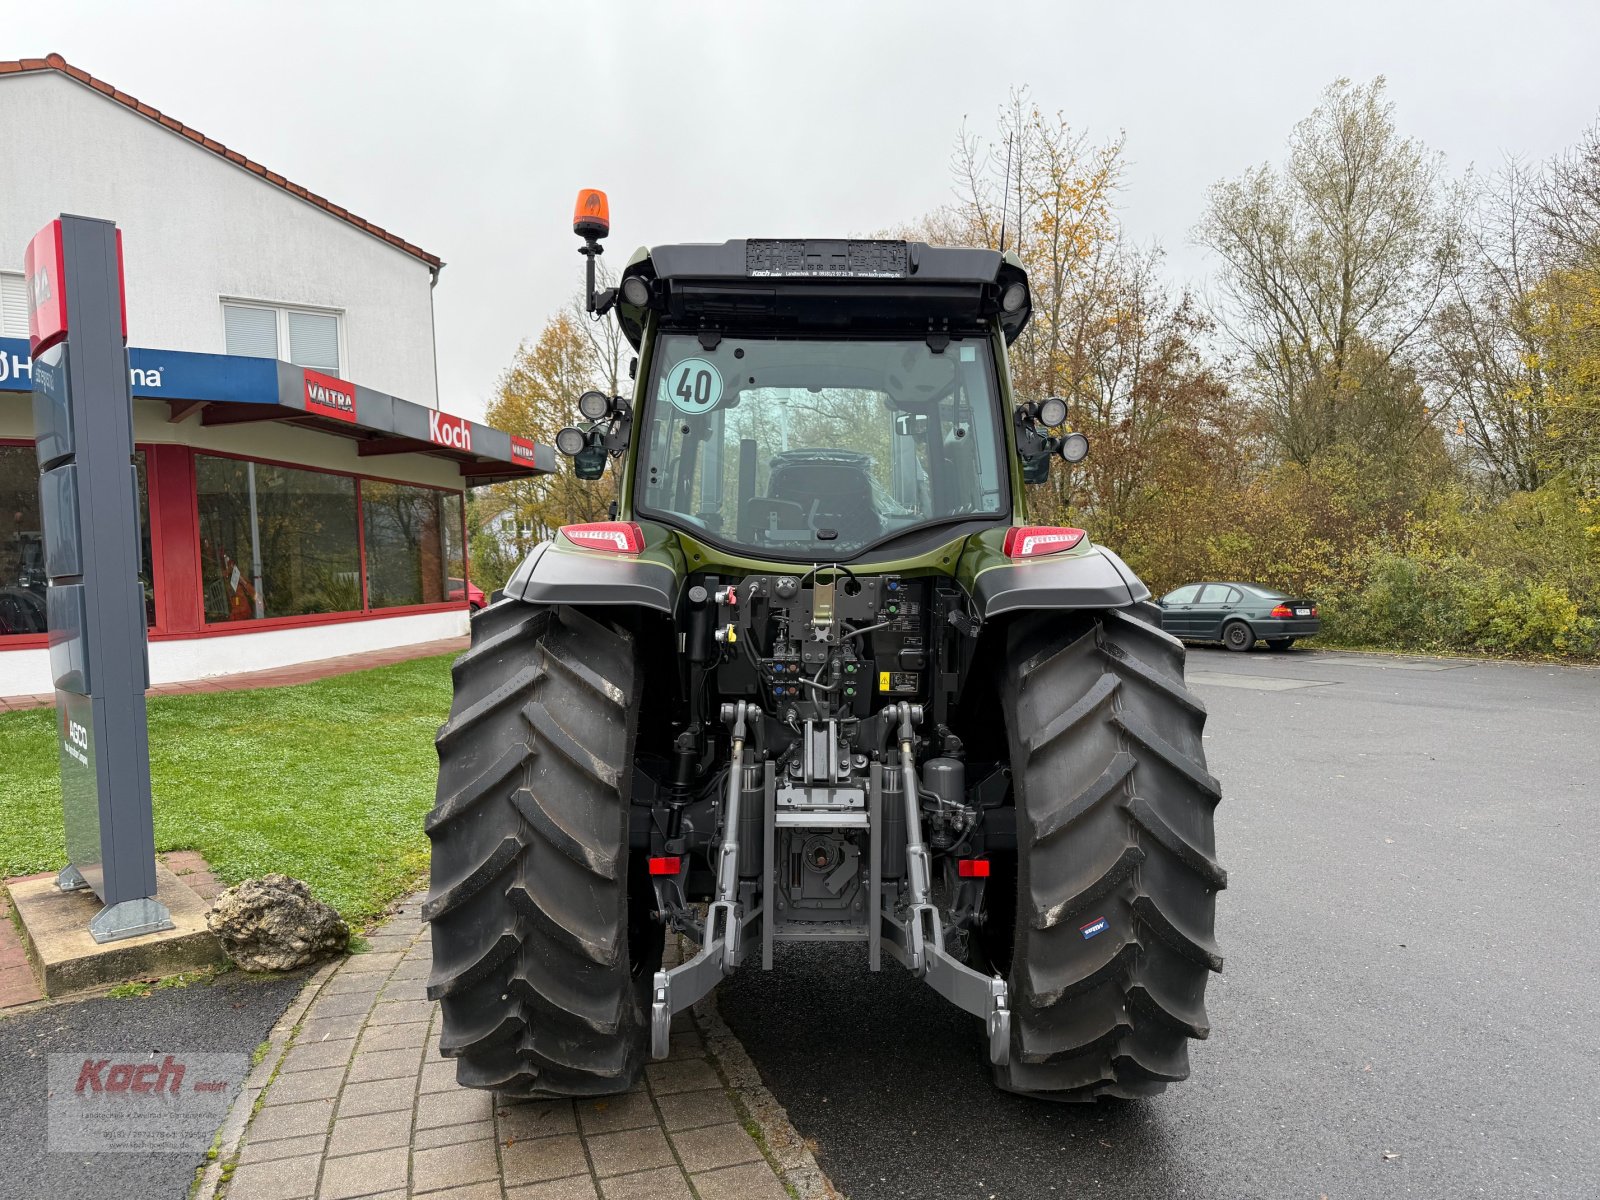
[[445, 430]]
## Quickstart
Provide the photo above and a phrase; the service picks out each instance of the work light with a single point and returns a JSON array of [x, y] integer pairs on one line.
[[571, 441], [1052, 412], [1074, 447], [594, 405], [636, 291]]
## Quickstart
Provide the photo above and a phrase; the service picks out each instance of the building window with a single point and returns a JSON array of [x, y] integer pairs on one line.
[[22, 579], [13, 304], [276, 541], [266, 331], [413, 540]]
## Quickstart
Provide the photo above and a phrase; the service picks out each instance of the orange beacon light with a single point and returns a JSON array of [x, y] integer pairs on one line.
[[591, 216]]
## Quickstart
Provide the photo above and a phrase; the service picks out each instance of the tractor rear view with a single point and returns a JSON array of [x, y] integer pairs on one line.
[[819, 679]]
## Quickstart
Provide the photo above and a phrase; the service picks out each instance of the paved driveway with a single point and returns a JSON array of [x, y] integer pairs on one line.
[[1411, 1000]]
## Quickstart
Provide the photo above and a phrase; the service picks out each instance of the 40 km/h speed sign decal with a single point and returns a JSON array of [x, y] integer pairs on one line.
[[694, 385]]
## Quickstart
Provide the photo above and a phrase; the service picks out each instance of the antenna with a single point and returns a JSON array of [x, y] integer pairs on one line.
[[1005, 196]]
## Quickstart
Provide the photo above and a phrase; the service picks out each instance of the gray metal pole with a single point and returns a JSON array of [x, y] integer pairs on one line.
[[83, 420]]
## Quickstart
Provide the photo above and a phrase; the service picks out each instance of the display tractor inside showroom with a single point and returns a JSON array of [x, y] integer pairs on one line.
[[820, 680]]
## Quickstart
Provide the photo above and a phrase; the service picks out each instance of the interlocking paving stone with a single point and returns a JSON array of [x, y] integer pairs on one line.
[[365, 964], [628, 1111], [338, 1004], [400, 1011], [381, 1095], [403, 989], [290, 1120], [574, 1187], [395, 1037], [328, 1029], [535, 1118], [452, 1108], [294, 1147], [447, 1135], [693, 1076], [664, 1183], [438, 1075], [459, 1162], [308, 1085], [686, 1045], [752, 1181], [362, 1174], [689, 1110], [342, 985], [286, 1179], [386, 1064], [314, 1056], [715, 1146], [536, 1159], [376, 1131], [472, 1191], [629, 1150]]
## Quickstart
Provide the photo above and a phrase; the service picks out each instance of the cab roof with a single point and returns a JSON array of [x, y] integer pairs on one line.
[[819, 285]]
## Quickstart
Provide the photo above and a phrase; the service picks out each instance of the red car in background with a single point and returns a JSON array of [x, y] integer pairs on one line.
[[470, 591]]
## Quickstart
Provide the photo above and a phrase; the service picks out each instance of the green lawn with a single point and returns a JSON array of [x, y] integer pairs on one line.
[[328, 782]]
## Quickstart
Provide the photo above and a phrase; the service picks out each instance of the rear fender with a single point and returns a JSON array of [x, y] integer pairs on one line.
[[556, 574], [1095, 578]]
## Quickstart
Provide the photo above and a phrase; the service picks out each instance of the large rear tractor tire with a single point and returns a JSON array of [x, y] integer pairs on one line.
[[1116, 866], [542, 944]]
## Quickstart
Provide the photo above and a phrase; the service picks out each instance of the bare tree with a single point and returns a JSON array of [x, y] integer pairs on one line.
[[1486, 352], [1332, 266]]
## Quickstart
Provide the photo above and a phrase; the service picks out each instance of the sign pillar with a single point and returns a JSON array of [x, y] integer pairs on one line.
[[83, 422]]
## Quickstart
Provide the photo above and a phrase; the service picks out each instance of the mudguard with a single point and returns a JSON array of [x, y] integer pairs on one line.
[[552, 574], [1096, 578]]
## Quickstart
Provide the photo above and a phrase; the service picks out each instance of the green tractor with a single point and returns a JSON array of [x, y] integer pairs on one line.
[[818, 679]]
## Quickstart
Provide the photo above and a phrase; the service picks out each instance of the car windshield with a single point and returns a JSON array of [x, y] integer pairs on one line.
[[803, 449]]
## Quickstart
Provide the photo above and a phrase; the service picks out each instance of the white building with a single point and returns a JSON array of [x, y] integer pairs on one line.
[[274, 533]]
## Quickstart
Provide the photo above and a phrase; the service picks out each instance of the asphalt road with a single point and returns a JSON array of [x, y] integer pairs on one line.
[[231, 1015], [1411, 999]]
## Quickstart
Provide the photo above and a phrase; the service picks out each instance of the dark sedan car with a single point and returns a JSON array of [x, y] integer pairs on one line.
[[1237, 615]]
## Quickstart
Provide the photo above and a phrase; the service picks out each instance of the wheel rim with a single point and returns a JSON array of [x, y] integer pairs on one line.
[[1236, 635]]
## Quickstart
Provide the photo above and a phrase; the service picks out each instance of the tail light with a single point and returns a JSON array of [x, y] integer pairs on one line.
[[664, 865], [972, 868], [1030, 541], [614, 537], [1282, 612]]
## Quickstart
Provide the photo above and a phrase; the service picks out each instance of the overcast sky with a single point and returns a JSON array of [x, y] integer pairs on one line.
[[467, 127]]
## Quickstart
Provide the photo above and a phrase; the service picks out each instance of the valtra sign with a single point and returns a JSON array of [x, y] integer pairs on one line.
[[524, 451], [452, 432], [330, 397]]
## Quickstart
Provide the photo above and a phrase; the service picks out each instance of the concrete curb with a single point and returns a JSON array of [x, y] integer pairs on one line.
[[233, 1127], [790, 1153]]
